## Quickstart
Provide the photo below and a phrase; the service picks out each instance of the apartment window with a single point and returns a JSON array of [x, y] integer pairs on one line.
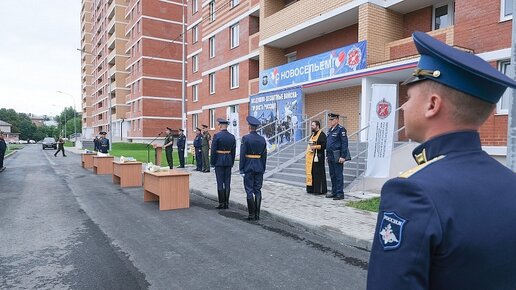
[[138, 27], [195, 6], [212, 46], [506, 7], [195, 93], [211, 78], [443, 15], [195, 121], [234, 3], [234, 76], [502, 107], [212, 10], [234, 35], [195, 63], [212, 118], [291, 56], [195, 34]]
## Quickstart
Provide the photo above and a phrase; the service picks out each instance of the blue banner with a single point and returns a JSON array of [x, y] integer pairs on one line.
[[325, 65], [284, 106]]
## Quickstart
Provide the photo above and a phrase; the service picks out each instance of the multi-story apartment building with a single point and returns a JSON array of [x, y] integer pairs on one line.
[[107, 56], [86, 69], [296, 33], [223, 58], [154, 31]]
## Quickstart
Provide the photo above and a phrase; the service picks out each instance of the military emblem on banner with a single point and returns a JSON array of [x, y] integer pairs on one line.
[[391, 230], [354, 57], [383, 109]]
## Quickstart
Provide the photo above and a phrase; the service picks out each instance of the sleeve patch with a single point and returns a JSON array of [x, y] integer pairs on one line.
[[391, 231]]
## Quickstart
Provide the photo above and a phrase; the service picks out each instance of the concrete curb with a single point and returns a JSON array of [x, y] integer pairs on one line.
[[327, 232], [10, 154]]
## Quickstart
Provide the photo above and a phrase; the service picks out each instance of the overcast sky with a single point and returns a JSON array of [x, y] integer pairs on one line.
[[38, 56]]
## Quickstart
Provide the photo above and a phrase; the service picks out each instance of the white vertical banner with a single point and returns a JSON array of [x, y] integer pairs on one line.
[[381, 130], [234, 127]]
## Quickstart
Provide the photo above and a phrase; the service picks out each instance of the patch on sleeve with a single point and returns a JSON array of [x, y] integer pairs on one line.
[[391, 230]]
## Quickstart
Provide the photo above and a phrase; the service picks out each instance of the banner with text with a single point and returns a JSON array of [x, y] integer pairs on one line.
[[284, 106], [381, 130], [325, 65]]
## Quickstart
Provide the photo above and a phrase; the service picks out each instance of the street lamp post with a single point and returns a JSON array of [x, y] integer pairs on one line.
[[74, 116]]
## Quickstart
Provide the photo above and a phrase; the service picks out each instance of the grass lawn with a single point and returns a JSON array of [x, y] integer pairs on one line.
[[12, 147], [139, 152], [367, 204]]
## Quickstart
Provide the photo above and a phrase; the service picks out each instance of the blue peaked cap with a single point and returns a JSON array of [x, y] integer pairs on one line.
[[458, 69], [252, 121], [222, 121]]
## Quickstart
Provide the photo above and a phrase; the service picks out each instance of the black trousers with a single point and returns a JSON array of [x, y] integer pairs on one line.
[[59, 149], [181, 152], [2, 154], [170, 160]]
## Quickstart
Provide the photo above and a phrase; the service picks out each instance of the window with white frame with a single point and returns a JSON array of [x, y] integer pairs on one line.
[[443, 15], [211, 42], [291, 56], [234, 35], [212, 118], [211, 78], [506, 10], [195, 93], [195, 121], [234, 3], [195, 6], [195, 34], [195, 63], [234, 76], [212, 10], [502, 107]]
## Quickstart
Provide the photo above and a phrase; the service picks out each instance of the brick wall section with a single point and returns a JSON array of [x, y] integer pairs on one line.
[[336, 39], [271, 57], [419, 20], [254, 25], [293, 14], [477, 26], [378, 26], [405, 47], [342, 101], [254, 71]]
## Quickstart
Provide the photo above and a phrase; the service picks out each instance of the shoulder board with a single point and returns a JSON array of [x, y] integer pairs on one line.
[[410, 172]]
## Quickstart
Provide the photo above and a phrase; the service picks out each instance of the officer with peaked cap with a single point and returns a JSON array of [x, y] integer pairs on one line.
[[253, 158], [337, 152], [223, 149], [168, 145], [448, 223], [205, 149], [181, 143], [103, 143], [198, 149]]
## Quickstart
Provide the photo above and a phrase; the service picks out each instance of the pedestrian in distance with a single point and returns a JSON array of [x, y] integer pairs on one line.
[[253, 159], [223, 150], [60, 147], [3, 148], [198, 149], [96, 144], [181, 143], [448, 223], [168, 144], [103, 143], [314, 161], [206, 141], [337, 152]]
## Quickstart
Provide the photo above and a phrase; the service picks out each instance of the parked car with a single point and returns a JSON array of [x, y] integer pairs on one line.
[[32, 142], [49, 142]]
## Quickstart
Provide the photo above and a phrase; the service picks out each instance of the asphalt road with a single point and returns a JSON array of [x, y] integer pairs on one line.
[[65, 228]]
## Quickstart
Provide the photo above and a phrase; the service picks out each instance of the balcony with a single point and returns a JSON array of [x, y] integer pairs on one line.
[[254, 41], [111, 57]]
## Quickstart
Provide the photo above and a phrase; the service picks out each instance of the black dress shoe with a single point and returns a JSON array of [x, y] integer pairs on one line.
[[338, 197], [330, 195]]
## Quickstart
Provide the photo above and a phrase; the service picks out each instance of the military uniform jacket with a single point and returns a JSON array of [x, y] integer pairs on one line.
[[253, 145], [337, 143], [449, 223], [223, 149], [197, 143], [104, 145], [181, 141], [169, 138], [206, 138]]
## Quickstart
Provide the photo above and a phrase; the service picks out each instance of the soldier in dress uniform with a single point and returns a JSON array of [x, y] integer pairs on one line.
[[168, 145], [337, 152], [206, 139], [448, 223], [198, 149], [223, 148], [253, 158], [103, 143], [181, 143]]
